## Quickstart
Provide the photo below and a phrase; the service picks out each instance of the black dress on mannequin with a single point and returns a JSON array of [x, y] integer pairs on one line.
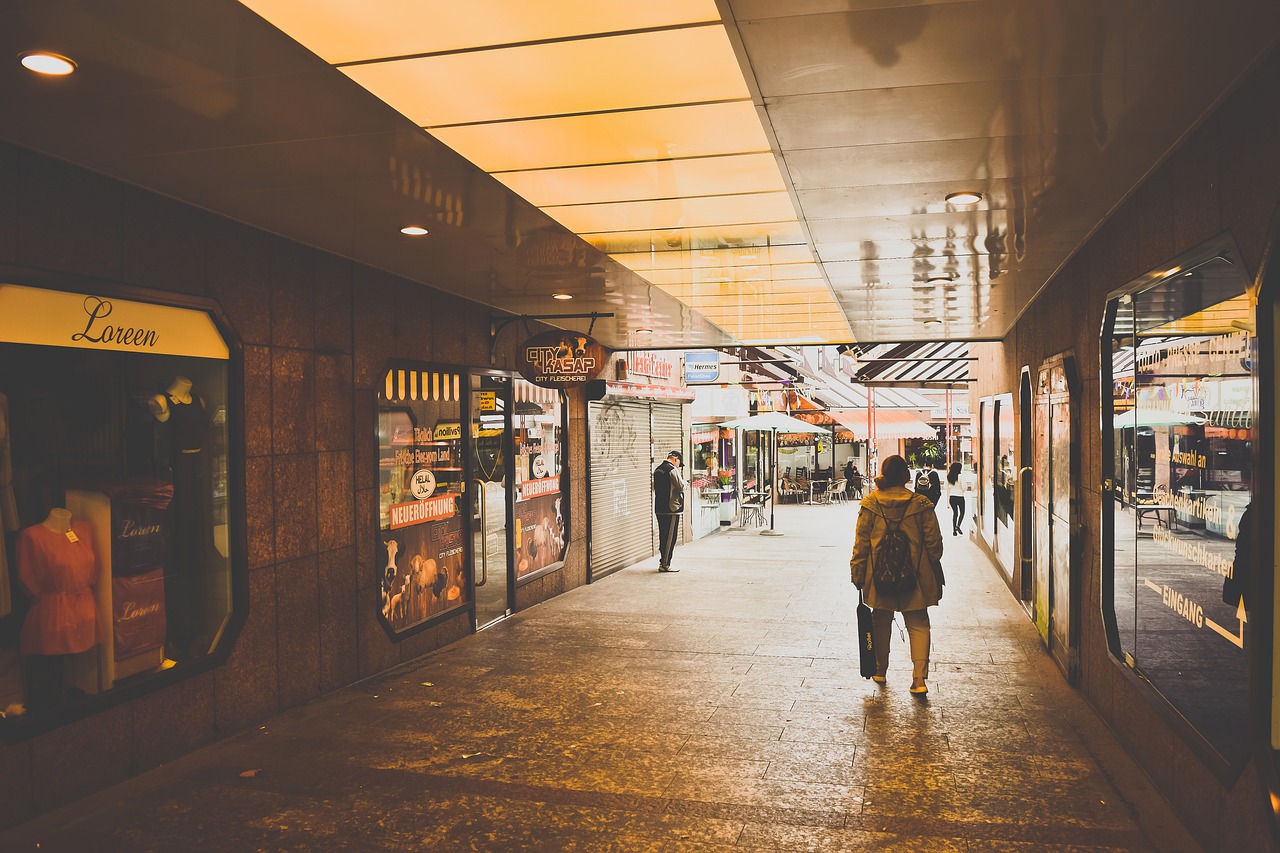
[[190, 516]]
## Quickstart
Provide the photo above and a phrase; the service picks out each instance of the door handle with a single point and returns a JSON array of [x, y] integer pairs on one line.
[[484, 534]]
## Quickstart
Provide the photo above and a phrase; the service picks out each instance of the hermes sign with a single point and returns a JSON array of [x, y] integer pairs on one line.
[[560, 359], [53, 318]]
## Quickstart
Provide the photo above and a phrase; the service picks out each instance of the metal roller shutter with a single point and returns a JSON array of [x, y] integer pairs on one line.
[[621, 486], [667, 434]]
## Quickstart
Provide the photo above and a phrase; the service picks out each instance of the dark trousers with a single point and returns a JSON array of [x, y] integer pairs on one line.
[[668, 533], [957, 513]]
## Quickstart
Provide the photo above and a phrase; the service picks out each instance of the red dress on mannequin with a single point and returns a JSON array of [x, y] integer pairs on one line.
[[58, 574]]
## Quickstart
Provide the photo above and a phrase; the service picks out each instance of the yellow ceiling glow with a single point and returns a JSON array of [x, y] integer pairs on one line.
[[774, 257], [755, 234], [674, 213], [344, 31], [663, 179], [561, 78], [696, 130], [630, 124]]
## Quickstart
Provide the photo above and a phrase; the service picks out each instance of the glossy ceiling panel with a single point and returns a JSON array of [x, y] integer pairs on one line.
[[563, 78], [761, 234], [870, 110], [340, 31], [618, 137], [701, 212], [713, 259], [660, 179], [778, 273]]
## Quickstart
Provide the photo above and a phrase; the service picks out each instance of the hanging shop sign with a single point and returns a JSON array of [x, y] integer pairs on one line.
[[560, 359], [55, 318], [701, 366]]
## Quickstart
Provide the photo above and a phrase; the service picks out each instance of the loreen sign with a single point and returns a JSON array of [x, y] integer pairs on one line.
[[55, 318], [560, 359]]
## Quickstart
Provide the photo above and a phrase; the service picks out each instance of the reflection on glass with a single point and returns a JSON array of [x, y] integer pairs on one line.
[[1006, 479], [1182, 471], [986, 490], [540, 497], [115, 515], [420, 548]]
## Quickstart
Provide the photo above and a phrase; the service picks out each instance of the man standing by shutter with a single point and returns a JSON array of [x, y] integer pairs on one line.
[[668, 506]]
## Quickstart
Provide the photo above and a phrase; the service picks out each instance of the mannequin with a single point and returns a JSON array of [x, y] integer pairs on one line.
[[57, 568], [8, 507], [190, 514]]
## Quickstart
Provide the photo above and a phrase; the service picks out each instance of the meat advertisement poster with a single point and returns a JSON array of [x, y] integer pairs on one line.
[[539, 526], [422, 562]]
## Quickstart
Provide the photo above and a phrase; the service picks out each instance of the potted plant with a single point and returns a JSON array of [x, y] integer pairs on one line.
[[728, 496]]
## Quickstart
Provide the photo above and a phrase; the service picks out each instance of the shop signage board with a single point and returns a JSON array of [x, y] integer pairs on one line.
[[701, 366], [56, 318], [452, 430], [654, 365], [560, 359]]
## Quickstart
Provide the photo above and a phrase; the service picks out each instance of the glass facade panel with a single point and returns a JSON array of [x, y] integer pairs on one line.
[[1006, 480], [537, 432], [421, 543], [1183, 416], [117, 502]]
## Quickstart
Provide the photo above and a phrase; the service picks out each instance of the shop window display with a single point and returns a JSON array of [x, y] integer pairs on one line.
[[114, 496], [420, 551], [1181, 479], [538, 441]]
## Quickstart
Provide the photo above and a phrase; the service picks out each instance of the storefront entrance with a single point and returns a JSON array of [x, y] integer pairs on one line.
[[518, 512], [490, 497], [1055, 587]]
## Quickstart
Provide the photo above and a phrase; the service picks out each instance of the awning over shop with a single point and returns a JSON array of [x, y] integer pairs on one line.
[[889, 423]]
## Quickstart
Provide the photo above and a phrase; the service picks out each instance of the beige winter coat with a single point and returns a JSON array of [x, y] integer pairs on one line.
[[920, 524]]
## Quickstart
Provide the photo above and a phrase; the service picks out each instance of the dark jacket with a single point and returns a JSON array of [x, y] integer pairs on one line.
[[668, 489]]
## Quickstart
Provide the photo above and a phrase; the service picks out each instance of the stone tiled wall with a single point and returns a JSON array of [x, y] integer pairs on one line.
[[1225, 177], [317, 332]]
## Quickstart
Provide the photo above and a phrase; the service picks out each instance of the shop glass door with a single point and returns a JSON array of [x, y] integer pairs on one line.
[[490, 496]]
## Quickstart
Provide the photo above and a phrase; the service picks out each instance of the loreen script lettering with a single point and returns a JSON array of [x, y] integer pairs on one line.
[[98, 332]]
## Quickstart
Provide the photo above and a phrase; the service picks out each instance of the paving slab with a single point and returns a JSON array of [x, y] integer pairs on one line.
[[717, 708]]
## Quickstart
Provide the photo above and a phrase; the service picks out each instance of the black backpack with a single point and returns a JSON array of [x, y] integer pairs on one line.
[[891, 561]]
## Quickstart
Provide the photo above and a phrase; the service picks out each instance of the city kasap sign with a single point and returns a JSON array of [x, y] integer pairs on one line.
[[560, 359]]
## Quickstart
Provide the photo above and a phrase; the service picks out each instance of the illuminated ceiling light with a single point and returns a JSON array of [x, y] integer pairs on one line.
[[50, 64], [939, 279], [413, 230], [562, 296], [644, 331], [933, 321], [964, 197]]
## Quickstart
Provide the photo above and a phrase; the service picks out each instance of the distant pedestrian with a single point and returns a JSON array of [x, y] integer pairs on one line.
[[955, 496], [668, 506], [925, 486], [892, 507]]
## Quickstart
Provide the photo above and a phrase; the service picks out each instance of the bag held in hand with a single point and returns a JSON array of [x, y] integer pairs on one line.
[[891, 562], [866, 650]]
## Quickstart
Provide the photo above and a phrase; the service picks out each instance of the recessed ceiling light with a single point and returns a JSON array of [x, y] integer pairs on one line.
[[562, 296], [938, 279], [644, 331], [964, 197], [413, 230], [933, 321], [50, 64]]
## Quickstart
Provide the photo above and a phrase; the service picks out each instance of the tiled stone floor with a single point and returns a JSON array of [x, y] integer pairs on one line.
[[719, 708]]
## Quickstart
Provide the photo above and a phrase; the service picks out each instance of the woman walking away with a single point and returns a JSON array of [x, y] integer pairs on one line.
[[898, 534], [955, 491]]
